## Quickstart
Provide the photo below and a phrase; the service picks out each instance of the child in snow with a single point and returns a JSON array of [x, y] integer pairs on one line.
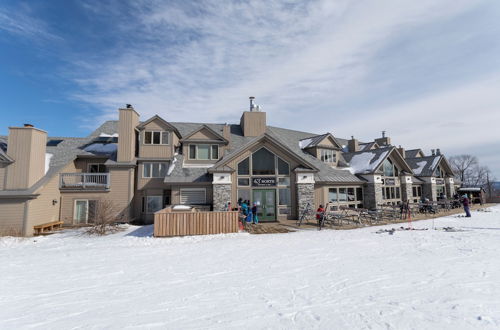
[[465, 202], [250, 215], [244, 208]]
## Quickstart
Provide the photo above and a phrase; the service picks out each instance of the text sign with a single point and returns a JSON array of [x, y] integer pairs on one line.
[[263, 182], [390, 182], [439, 181]]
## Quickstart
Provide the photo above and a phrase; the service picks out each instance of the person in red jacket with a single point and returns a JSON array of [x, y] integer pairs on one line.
[[319, 214]]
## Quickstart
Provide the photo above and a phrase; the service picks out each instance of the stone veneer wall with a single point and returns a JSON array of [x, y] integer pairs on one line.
[[305, 194], [450, 189], [222, 195], [372, 195], [429, 191], [406, 191]]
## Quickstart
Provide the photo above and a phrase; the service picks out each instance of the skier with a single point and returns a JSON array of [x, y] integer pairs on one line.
[[465, 202]]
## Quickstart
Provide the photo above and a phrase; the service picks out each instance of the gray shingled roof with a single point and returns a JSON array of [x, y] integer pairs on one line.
[[183, 174], [412, 153], [424, 166]]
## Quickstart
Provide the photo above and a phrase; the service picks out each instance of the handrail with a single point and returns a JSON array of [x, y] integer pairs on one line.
[[84, 180]]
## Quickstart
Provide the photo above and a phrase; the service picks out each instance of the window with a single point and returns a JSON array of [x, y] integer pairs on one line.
[[283, 167], [203, 151], [193, 196], [388, 168], [284, 181], [284, 196], [244, 167], [244, 194], [263, 162], [97, 168], [342, 194], [84, 211], [215, 151], [243, 182], [328, 156], [156, 137], [151, 204], [332, 195], [350, 194], [154, 170]]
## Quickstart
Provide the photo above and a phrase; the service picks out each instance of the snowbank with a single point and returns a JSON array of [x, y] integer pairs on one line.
[[328, 279]]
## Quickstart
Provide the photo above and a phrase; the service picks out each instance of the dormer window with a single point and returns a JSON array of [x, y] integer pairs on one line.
[[328, 155], [203, 151], [389, 168], [156, 137]]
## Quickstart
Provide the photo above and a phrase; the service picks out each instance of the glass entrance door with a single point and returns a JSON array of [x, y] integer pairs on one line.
[[266, 204]]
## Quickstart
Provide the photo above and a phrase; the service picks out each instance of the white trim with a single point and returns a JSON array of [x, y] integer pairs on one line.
[[210, 156], [161, 138], [221, 178], [90, 164], [166, 164]]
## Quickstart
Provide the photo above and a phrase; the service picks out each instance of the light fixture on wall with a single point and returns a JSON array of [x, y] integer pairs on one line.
[[54, 201], [304, 177]]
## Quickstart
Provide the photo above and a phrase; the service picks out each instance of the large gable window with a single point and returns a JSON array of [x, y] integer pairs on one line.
[[244, 167], [263, 162], [156, 137], [389, 168], [203, 151]]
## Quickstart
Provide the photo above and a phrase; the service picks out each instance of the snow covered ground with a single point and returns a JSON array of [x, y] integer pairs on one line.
[[354, 279]]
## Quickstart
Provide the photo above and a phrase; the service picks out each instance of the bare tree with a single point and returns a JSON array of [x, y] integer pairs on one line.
[[105, 216], [462, 165]]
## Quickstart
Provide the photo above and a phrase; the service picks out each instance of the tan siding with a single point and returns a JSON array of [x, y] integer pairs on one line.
[[27, 147], [3, 167], [129, 119], [253, 123], [42, 209], [156, 151], [11, 217], [204, 134]]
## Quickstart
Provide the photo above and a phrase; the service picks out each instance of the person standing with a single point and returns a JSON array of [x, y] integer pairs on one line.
[[254, 212], [320, 213], [466, 202]]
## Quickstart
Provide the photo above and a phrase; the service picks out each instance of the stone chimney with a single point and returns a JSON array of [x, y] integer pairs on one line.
[[384, 140], [27, 147], [433, 152], [128, 121], [253, 123], [402, 152], [438, 152], [353, 144]]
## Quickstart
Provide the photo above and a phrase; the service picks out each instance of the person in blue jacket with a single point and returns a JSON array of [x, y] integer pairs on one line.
[[244, 208], [254, 212]]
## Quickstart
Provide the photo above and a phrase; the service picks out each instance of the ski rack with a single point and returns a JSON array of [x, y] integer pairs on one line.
[[307, 211]]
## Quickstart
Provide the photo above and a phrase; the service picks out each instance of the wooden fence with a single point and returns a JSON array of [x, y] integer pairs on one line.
[[194, 223]]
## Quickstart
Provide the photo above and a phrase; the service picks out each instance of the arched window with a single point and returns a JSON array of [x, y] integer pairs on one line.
[[263, 162]]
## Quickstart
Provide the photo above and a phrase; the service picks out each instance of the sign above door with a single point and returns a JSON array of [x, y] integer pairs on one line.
[[263, 182]]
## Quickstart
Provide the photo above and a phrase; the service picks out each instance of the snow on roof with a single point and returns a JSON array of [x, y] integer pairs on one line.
[[102, 148], [304, 143], [420, 167], [435, 162], [364, 162], [108, 135], [47, 161]]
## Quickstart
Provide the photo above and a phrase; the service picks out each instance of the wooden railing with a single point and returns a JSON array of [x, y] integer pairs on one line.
[[194, 223], [84, 181]]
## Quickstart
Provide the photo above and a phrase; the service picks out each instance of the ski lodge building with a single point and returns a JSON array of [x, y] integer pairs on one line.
[[144, 166]]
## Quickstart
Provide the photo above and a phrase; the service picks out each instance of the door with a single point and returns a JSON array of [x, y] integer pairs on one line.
[[266, 204]]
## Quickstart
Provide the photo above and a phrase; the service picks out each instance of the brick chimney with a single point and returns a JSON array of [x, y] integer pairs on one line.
[[253, 122], [128, 121], [353, 144], [26, 146], [226, 132]]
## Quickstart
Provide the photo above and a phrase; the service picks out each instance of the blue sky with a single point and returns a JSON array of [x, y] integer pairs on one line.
[[427, 72]]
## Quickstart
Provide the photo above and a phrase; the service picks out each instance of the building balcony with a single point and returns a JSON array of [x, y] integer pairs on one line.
[[84, 181]]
